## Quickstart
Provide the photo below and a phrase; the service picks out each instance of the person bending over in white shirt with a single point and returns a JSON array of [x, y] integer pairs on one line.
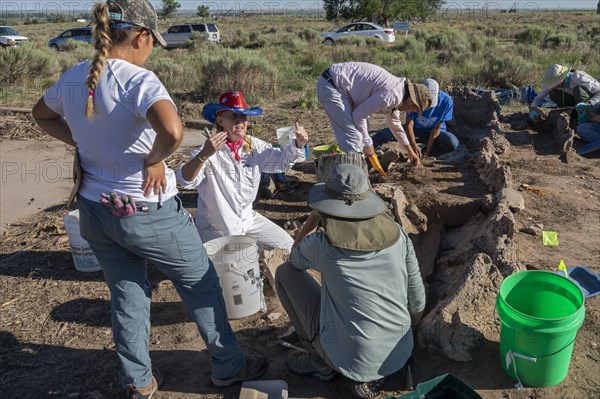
[[226, 172]]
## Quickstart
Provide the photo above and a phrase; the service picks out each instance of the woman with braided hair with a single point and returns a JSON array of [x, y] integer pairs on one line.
[[124, 125]]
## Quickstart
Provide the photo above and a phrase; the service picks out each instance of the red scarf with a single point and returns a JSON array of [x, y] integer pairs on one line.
[[234, 147]]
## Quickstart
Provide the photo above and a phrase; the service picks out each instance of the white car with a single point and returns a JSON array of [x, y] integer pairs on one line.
[[10, 37], [364, 29]]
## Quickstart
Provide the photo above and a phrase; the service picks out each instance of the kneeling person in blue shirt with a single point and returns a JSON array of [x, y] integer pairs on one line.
[[430, 128], [357, 322]]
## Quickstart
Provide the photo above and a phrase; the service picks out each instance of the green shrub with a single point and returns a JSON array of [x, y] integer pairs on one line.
[[560, 40], [507, 70], [410, 46], [238, 69], [534, 34], [421, 34], [171, 73], [26, 63], [199, 40], [308, 34], [253, 36], [73, 45], [596, 43], [447, 40], [308, 100], [373, 41]]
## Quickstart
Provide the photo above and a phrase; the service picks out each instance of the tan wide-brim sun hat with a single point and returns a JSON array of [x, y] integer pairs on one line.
[[553, 75]]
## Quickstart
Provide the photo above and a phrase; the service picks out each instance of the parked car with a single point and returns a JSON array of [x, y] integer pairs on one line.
[[364, 29], [179, 35], [83, 34], [10, 37]]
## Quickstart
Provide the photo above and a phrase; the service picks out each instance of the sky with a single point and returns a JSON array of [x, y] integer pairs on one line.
[[9, 6]]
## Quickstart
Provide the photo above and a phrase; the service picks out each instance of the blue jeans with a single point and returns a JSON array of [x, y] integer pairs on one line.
[[339, 111], [445, 142], [590, 133], [167, 237]]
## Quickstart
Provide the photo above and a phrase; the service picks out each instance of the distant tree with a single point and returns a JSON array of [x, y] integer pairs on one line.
[[202, 11], [381, 11], [169, 8]]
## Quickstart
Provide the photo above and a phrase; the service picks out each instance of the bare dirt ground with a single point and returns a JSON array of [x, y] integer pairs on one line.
[[55, 335]]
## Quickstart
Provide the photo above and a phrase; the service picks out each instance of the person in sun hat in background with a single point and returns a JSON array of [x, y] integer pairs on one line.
[[350, 92], [567, 88], [226, 171], [429, 128], [358, 321], [124, 125]]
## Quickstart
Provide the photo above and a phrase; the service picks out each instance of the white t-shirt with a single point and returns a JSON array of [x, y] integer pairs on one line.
[[114, 145]]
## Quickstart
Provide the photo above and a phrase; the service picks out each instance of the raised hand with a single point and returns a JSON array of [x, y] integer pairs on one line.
[[301, 135], [213, 144]]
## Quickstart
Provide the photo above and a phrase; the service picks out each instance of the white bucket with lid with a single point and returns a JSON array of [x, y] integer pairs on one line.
[[236, 262], [83, 257]]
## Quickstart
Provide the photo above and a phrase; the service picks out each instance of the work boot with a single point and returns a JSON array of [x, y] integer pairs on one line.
[[369, 389], [255, 367], [147, 391], [309, 363]]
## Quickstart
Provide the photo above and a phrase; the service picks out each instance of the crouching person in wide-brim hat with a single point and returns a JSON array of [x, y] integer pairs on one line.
[[358, 321]]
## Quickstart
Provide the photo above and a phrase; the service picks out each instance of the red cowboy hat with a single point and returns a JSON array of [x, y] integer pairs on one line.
[[232, 101]]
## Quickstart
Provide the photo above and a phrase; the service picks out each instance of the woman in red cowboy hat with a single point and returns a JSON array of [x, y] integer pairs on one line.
[[226, 172]]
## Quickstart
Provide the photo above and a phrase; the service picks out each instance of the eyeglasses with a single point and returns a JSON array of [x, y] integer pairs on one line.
[[234, 116]]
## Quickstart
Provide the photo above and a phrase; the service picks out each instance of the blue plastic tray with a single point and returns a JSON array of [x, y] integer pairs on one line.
[[585, 279]]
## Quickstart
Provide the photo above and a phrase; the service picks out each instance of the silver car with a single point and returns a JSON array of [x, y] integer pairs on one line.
[[83, 34], [362, 29], [10, 37], [179, 35]]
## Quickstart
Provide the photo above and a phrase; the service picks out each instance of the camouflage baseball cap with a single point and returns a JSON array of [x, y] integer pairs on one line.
[[136, 12]]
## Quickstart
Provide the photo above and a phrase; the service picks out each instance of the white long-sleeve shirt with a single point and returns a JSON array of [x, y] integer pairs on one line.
[[371, 89], [578, 78], [227, 188]]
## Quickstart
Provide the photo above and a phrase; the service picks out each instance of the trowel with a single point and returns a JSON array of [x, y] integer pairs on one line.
[[375, 163]]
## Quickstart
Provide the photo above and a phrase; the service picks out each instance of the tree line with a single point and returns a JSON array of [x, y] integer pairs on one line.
[[380, 11]]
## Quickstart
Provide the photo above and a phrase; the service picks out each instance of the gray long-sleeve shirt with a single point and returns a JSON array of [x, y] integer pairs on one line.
[[578, 78], [371, 89], [366, 297]]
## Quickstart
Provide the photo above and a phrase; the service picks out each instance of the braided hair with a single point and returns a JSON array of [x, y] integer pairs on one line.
[[104, 38]]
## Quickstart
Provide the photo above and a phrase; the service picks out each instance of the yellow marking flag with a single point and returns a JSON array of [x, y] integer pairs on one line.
[[561, 266], [550, 237]]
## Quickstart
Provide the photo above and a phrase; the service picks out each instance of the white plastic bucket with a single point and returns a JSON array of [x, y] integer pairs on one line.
[[236, 261], [285, 135], [83, 257]]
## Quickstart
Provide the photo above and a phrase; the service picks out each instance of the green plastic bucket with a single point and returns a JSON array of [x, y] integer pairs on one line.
[[540, 313], [326, 149]]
